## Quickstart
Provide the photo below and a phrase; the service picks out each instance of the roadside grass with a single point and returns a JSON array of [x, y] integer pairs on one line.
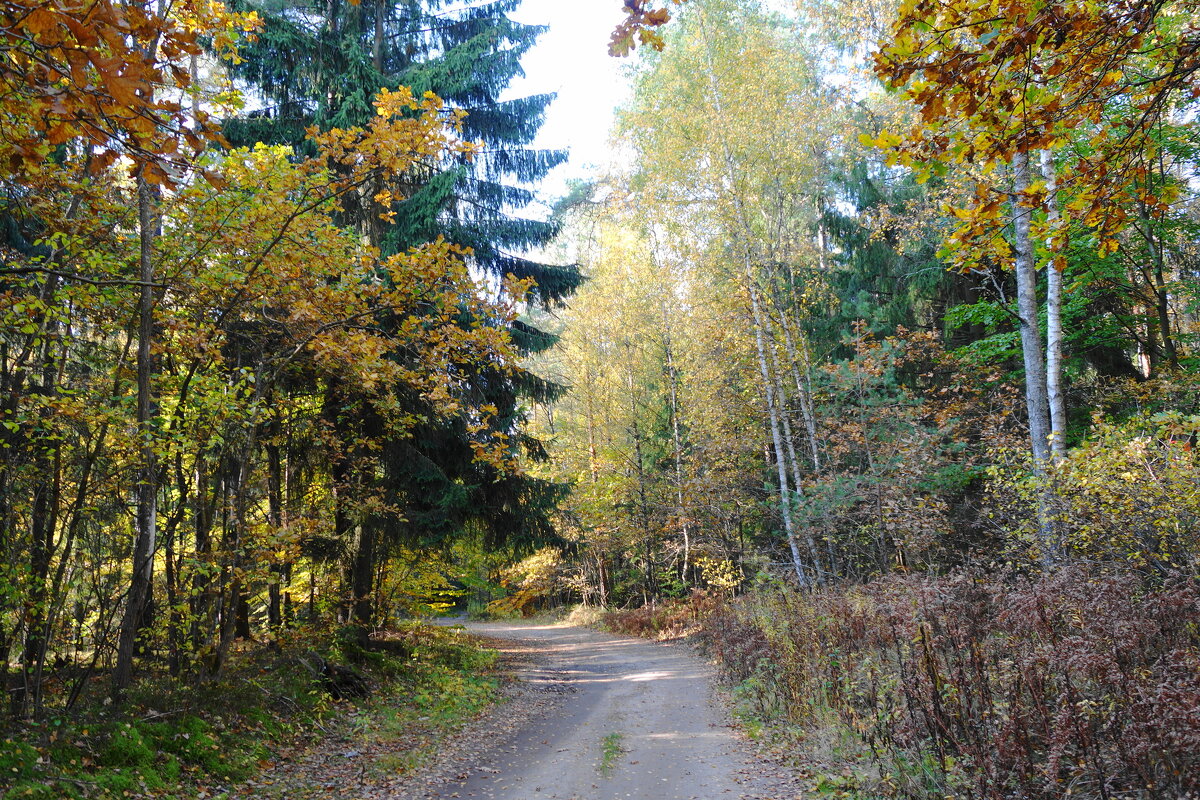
[[831, 755], [446, 686], [205, 740], [585, 616]]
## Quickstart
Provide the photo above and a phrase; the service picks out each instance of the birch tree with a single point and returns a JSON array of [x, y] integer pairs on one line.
[[746, 183]]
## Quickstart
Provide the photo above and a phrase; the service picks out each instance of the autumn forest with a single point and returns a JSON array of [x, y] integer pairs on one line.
[[871, 364]]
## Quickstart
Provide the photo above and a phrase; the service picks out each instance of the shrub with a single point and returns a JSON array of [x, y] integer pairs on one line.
[[984, 688], [1128, 497], [667, 620]]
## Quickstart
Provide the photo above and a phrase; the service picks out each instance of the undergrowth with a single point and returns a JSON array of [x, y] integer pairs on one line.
[[204, 740], [669, 619], [966, 686], [975, 687]]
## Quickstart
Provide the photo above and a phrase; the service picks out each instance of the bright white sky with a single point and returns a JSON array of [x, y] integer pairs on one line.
[[572, 60]]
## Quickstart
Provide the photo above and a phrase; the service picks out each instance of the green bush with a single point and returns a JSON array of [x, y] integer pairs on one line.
[[1125, 498]]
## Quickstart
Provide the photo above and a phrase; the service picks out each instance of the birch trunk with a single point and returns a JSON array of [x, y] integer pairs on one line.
[[1054, 279], [803, 392], [677, 446], [650, 588], [785, 495], [742, 238], [1036, 395], [794, 463], [1036, 401]]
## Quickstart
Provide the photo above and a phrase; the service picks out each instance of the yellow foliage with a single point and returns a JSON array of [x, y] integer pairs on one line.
[[531, 580], [1128, 496], [720, 574]]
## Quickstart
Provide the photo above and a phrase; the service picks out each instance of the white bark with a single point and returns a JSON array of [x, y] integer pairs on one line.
[[676, 443], [793, 461], [743, 241], [785, 495], [1036, 402], [803, 393], [1036, 396], [1054, 279]]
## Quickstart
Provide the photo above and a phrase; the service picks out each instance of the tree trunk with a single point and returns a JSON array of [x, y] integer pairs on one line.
[[202, 591], [1036, 402], [1054, 286], [803, 391], [785, 495], [677, 449], [743, 240], [275, 481], [43, 523], [793, 462], [362, 577], [1162, 303], [147, 493]]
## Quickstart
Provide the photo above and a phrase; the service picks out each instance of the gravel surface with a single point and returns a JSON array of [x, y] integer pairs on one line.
[[628, 718], [590, 716]]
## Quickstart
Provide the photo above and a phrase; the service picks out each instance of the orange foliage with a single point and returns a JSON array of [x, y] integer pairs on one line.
[[96, 70]]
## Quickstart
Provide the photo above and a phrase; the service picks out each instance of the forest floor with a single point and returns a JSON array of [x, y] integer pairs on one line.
[[587, 716]]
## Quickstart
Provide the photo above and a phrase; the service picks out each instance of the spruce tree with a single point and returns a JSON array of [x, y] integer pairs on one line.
[[323, 68]]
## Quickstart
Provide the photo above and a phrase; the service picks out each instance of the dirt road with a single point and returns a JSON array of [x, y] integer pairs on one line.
[[627, 718]]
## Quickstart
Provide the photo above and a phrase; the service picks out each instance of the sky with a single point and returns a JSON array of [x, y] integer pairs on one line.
[[572, 60]]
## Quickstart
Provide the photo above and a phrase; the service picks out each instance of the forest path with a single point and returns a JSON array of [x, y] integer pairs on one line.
[[627, 718]]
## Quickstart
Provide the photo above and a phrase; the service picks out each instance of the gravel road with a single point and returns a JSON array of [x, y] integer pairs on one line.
[[621, 718]]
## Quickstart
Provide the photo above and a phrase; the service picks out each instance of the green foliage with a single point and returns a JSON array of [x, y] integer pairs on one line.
[[323, 72], [223, 732], [881, 276], [1126, 498], [611, 750]]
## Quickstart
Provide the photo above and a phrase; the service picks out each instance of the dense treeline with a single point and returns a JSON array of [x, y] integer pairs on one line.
[[887, 364], [260, 346], [834, 324], [889, 332]]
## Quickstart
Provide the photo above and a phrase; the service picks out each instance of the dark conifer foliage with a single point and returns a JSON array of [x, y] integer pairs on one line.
[[322, 66], [875, 280]]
